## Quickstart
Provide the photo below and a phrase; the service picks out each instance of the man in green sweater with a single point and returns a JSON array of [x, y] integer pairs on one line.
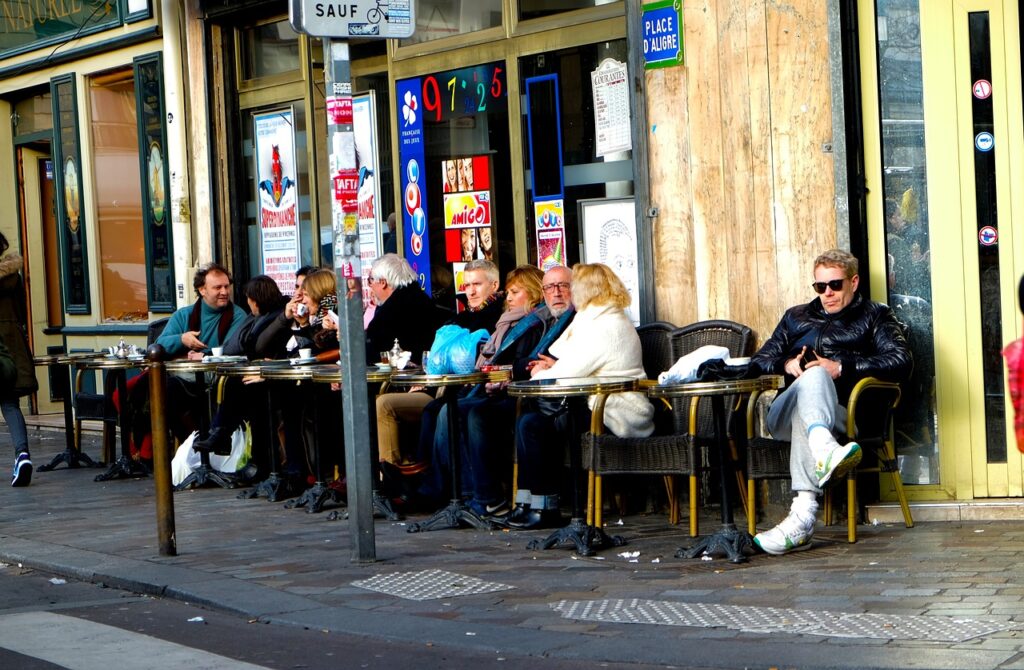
[[192, 331]]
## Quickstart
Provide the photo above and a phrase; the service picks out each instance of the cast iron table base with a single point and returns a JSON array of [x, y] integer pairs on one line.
[[206, 474], [452, 516], [274, 487], [583, 536], [123, 468], [313, 498], [73, 457], [729, 541]]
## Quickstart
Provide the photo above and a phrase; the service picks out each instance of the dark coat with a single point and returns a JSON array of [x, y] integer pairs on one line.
[[245, 340], [408, 315], [865, 337], [12, 328]]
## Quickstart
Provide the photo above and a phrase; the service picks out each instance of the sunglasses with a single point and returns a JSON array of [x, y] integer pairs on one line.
[[820, 286]]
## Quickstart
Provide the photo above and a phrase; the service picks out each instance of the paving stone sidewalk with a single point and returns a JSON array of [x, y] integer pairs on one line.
[[940, 595]]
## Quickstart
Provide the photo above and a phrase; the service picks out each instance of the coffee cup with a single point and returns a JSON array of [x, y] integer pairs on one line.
[[305, 352], [216, 351]]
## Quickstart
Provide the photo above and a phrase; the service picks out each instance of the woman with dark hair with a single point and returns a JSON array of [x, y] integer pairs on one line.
[[13, 328], [265, 304]]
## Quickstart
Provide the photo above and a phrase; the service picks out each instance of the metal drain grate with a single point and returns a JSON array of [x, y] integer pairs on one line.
[[777, 620], [429, 584]]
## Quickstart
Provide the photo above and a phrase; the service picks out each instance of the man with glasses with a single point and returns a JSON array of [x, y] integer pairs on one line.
[[824, 348], [404, 311]]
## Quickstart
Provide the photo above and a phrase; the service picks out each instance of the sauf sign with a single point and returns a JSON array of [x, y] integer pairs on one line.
[[662, 24], [363, 18]]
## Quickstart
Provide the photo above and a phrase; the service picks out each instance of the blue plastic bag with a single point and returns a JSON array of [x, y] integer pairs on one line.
[[454, 350]]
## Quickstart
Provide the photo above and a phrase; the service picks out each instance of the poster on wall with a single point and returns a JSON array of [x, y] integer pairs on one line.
[[410, 162], [364, 126], [549, 219], [277, 196], [468, 217], [609, 237], [610, 85]]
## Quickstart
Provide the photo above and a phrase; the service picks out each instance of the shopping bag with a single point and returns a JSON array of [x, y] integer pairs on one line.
[[187, 459]]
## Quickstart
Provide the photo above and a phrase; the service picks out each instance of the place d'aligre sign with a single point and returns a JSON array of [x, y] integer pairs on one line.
[[662, 30], [361, 18]]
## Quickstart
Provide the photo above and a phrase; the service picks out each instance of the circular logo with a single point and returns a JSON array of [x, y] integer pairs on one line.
[[412, 170], [982, 89], [417, 244], [412, 198], [419, 221], [984, 141], [988, 236]]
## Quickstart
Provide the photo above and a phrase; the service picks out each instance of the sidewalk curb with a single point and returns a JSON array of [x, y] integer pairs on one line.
[[725, 649]]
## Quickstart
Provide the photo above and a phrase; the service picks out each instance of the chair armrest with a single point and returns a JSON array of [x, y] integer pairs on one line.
[[597, 417], [874, 392]]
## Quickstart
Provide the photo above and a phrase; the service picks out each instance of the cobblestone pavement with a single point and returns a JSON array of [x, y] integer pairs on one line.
[[942, 595]]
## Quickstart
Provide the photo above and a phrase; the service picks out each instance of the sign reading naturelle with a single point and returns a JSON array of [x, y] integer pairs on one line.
[[359, 18], [662, 24], [31, 24]]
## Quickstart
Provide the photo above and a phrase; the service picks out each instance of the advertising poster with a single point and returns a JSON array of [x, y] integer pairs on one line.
[[611, 108], [277, 196], [410, 161], [549, 217], [469, 234], [364, 126], [609, 237]]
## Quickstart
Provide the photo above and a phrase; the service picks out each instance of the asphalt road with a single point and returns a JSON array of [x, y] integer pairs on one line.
[[46, 625]]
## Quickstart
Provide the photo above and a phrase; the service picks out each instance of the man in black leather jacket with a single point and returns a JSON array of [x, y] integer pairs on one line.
[[824, 348]]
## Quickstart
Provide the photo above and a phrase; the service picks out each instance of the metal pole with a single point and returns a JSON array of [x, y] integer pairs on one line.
[[161, 453], [347, 268]]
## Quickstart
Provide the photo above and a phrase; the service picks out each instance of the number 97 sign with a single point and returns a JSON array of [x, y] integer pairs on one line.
[[367, 19]]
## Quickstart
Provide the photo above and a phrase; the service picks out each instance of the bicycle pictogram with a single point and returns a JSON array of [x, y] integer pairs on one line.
[[379, 12]]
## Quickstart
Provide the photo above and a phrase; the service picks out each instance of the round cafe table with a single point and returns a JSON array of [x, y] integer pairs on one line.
[[72, 454], [125, 466], [331, 374], [575, 390], [456, 513], [730, 541]]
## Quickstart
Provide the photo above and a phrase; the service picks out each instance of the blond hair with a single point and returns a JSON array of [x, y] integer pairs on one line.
[[837, 258], [596, 283], [529, 278], [319, 283]]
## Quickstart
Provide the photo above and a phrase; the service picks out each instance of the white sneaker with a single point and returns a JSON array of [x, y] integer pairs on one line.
[[837, 461], [792, 534]]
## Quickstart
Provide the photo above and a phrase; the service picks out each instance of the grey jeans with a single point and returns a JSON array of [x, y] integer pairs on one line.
[[810, 400]]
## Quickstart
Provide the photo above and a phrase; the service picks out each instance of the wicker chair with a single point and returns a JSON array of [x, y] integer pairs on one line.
[[740, 341], [672, 450], [869, 423]]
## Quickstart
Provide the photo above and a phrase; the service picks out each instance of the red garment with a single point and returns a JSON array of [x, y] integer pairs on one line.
[[1014, 354], [145, 450]]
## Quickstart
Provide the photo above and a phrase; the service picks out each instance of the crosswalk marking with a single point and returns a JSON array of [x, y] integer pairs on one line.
[[77, 644]]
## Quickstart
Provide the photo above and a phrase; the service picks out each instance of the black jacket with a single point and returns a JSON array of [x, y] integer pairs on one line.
[[865, 337], [245, 339], [408, 315]]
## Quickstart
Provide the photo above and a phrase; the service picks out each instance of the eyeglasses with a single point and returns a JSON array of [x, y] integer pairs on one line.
[[558, 286], [835, 284]]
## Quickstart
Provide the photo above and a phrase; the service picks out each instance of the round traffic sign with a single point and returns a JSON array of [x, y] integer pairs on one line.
[[982, 89], [988, 236], [984, 141]]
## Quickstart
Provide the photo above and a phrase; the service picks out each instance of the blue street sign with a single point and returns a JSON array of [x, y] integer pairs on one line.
[[662, 24]]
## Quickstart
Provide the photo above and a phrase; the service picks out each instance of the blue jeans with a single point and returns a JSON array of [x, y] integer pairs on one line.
[[489, 432], [11, 410]]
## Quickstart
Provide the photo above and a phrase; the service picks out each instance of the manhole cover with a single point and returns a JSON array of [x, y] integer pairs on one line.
[[428, 585]]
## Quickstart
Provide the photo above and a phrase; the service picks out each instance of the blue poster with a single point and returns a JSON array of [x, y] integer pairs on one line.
[[411, 169]]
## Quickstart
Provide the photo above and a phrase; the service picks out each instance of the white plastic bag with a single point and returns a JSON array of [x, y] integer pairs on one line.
[[685, 369], [186, 459]]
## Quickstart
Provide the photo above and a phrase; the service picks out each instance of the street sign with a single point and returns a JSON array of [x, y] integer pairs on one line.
[[662, 24], [358, 18]]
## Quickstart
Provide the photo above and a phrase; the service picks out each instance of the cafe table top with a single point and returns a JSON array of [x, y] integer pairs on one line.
[[572, 386]]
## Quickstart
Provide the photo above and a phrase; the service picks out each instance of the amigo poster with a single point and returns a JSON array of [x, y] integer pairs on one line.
[[277, 196]]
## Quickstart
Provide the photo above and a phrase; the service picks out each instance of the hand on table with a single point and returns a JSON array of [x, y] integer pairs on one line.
[[191, 340]]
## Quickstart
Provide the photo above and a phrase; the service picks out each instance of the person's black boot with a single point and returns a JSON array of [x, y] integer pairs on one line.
[[217, 442], [519, 515]]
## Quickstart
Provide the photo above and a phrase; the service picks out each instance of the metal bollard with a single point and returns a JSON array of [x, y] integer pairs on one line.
[[161, 454]]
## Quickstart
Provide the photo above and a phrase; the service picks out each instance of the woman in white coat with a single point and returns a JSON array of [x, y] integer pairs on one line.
[[600, 342]]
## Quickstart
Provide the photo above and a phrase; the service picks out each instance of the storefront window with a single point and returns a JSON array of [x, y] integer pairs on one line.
[[269, 49], [535, 9], [436, 19], [278, 219], [33, 114], [560, 113], [115, 164], [455, 172], [905, 185]]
